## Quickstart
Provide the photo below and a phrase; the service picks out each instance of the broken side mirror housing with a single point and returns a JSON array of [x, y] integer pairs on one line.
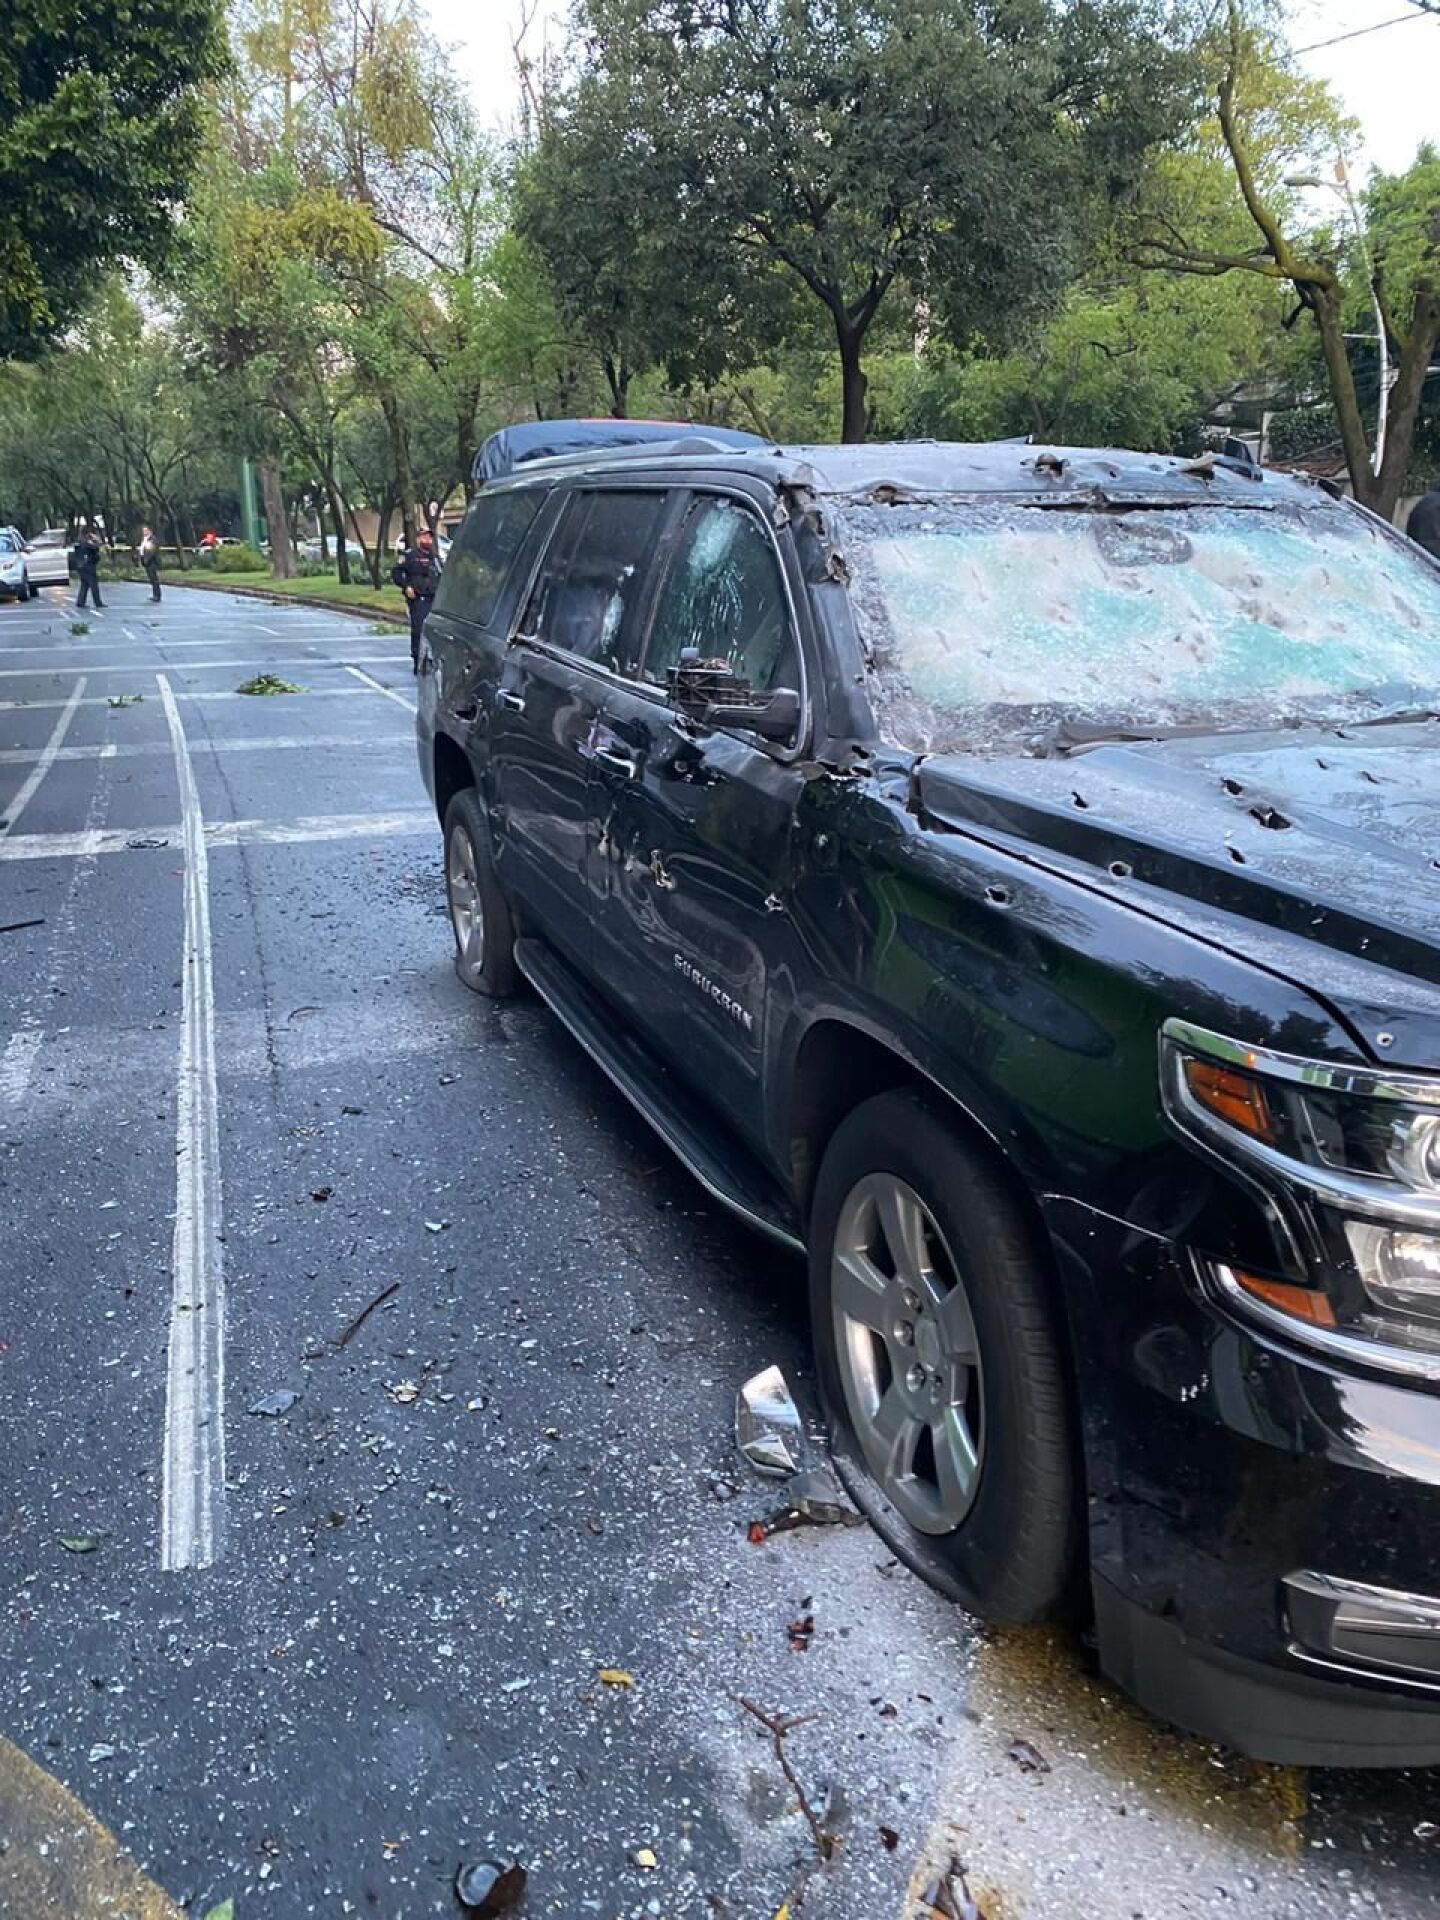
[[709, 692]]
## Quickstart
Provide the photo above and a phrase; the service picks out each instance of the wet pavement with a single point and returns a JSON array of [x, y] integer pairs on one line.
[[312, 1660]]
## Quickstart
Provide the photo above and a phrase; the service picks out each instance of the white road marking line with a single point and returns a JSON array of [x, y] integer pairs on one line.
[[43, 764], [389, 692], [113, 750], [229, 833], [17, 1063], [193, 1500], [104, 699], [193, 666], [127, 633]]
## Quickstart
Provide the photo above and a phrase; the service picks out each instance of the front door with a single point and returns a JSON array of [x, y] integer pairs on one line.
[[547, 705], [693, 930]]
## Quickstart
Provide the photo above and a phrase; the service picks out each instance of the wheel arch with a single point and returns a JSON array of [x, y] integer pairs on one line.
[[453, 773]]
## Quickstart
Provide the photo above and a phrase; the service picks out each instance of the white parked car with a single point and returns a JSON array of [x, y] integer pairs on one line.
[[15, 582], [47, 558]]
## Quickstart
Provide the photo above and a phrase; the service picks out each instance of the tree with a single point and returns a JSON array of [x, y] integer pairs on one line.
[[1267, 124], [101, 121], [963, 154]]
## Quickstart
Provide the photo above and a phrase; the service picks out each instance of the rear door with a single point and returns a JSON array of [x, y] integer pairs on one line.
[[578, 623], [693, 931]]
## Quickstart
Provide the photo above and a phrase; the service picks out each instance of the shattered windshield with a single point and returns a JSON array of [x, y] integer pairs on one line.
[[992, 623]]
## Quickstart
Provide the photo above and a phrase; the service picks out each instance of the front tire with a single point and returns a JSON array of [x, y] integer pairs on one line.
[[939, 1361], [480, 916]]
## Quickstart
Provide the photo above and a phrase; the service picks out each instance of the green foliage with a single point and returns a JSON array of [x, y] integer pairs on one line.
[[100, 125], [965, 155], [239, 559]]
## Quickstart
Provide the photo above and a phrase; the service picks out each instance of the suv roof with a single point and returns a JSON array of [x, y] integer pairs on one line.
[[961, 467]]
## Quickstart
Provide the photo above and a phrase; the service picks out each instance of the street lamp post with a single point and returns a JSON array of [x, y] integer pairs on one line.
[[1341, 185]]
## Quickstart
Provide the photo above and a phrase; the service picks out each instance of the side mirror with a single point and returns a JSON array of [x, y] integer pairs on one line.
[[708, 691], [773, 716]]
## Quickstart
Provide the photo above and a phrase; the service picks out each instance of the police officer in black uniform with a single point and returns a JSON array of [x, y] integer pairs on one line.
[[85, 559], [417, 572]]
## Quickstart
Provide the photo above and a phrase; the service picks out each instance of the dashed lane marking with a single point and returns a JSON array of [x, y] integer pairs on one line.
[[193, 1499], [59, 1861], [250, 660], [415, 821], [278, 743], [378, 686], [43, 764], [183, 693], [17, 1064]]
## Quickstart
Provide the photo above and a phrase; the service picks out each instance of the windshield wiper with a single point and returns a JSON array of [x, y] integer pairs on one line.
[[1404, 717]]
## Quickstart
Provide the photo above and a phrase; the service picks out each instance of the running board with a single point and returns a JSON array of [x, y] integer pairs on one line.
[[726, 1171]]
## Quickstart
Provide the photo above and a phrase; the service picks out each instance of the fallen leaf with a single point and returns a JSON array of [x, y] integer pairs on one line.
[[616, 1677], [80, 1542], [225, 1911]]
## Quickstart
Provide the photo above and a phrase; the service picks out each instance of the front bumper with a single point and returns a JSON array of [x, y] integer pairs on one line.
[[1222, 1465]]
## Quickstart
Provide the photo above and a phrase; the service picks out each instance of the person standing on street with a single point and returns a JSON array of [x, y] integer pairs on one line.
[[150, 560], [85, 558], [1423, 526], [417, 573]]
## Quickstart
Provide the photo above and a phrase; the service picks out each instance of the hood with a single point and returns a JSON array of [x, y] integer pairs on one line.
[[1315, 853]]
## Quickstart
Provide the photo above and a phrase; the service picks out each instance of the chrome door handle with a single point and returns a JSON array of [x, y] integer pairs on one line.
[[618, 762], [512, 702]]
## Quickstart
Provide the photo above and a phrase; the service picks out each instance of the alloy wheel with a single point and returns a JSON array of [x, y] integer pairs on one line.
[[908, 1352], [467, 912]]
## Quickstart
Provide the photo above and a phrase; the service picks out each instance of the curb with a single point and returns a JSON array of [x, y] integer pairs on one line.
[[287, 599]]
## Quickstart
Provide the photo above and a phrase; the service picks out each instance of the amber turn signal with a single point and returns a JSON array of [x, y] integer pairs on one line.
[[1232, 1097], [1300, 1303]]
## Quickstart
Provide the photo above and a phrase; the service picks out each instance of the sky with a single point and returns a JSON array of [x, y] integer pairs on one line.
[[1389, 81]]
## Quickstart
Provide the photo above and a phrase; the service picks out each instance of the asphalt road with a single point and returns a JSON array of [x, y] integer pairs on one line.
[[310, 1661]]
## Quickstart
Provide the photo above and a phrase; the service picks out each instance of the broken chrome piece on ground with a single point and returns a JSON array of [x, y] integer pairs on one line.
[[487, 1888], [814, 1498], [768, 1429]]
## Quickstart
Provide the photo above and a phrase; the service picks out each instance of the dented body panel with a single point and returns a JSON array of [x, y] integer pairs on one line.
[[1014, 925]]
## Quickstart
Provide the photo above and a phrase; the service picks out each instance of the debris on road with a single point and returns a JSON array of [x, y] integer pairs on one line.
[[616, 1677], [146, 842], [125, 699], [646, 1859], [321, 1193], [949, 1898], [19, 926], [780, 1727], [487, 1888], [102, 1750], [347, 1333], [404, 1392], [801, 1632], [81, 1542], [436, 1226], [767, 1424], [814, 1498], [276, 1403], [268, 683], [225, 1911], [1027, 1757]]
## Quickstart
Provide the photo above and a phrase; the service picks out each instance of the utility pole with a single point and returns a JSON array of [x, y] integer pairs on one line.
[[249, 506]]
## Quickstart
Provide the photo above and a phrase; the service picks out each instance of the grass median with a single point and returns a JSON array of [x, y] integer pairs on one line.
[[317, 590]]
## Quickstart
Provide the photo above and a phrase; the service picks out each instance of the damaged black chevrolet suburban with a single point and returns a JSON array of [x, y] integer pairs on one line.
[[1012, 877]]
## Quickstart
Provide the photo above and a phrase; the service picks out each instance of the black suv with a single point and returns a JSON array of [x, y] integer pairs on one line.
[[1011, 876]]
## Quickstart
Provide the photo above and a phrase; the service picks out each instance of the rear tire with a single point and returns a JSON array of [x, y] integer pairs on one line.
[[939, 1360], [480, 916]]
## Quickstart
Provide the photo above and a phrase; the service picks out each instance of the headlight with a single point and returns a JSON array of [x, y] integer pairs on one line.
[[1349, 1160]]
